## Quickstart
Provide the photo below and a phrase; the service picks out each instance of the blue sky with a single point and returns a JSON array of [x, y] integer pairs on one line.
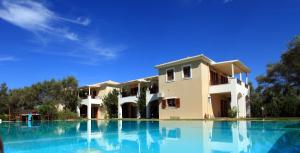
[[123, 40]]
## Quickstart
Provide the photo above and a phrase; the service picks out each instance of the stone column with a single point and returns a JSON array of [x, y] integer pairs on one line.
[[139, 89], [89, 108], [241, 76], [246, 78], [119, 106], [232, 70], [78, 111], [148, 103]]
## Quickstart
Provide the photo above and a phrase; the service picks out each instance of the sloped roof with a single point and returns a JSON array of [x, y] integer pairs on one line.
[[185, 60]]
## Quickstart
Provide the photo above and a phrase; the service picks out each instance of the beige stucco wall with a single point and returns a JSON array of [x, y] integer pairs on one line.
[[101, 114], [193, 93], [205, 82], [216, 105], [104, 90]]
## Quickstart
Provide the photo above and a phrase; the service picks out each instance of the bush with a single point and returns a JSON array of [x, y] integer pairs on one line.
[[232, 112], [111, 103], [66, 114], [142, 102], [4, 117], [48, 111]]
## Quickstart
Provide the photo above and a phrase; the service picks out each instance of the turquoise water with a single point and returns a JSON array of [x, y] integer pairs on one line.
[[151, 137]]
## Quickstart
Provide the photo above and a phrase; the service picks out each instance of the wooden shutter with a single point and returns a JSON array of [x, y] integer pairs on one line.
[[163, 103], [177, 103]]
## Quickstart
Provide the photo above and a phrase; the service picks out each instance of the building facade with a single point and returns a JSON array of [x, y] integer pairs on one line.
[[91, 104], [190, 88], [198, 87]]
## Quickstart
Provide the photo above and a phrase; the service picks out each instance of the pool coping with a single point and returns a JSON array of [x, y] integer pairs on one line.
[[212, 119]]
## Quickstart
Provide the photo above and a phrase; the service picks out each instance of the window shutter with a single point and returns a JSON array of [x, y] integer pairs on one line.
[[163, 104], [177, 103]]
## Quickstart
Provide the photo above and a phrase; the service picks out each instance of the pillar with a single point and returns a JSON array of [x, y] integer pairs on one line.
[[119, 106], [78, 111], [246, 78], [148, 103], [89, 108], [234, 100], [232, 70], [139, 92], [139, 89], [241, 76]]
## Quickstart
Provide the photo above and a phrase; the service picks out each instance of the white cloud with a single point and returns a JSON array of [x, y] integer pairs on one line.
[[35, 17], [7, 59]]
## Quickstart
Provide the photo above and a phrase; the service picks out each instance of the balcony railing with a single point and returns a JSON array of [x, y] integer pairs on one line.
[[239, 81], [222, 88], [93, 100]]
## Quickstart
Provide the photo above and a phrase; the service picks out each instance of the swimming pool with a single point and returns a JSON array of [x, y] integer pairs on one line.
[[151, 136]]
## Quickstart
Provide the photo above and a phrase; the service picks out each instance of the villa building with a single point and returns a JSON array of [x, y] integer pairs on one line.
[[91, 105], [130, 92], [190, 88], [198, 87]]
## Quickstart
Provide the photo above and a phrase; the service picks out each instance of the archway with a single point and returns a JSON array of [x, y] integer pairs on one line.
[[83, 111], [154, 109], [129, 110]]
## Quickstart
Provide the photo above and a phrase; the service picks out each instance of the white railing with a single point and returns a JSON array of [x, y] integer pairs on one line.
[[152, 97], [228, 87], [132, 99], [92, 101]]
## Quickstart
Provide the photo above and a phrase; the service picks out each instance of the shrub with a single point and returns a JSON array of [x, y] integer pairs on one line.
[[48, 111], [66, 114], [4, 117], [111, 103], [232, 112], [142, 102]]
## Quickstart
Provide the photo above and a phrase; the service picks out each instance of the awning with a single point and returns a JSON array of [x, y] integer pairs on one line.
[[226, 67]]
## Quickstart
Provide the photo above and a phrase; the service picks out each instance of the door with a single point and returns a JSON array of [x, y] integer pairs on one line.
[[224, 108]]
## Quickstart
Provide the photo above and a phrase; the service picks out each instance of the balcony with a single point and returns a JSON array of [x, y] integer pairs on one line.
[[233, 84], [96, 100], [126, 99]]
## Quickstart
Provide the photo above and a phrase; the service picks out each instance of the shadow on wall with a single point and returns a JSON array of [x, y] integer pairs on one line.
[[289, 142]]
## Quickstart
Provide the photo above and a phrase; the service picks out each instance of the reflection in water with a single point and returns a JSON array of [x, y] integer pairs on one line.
[[289, 141], [1, 145], [229, 137], [149, 137]]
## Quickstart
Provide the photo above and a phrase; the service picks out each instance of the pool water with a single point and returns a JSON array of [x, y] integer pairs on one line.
[[151, 136]]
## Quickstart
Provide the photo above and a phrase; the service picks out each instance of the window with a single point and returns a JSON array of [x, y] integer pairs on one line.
[[187, 71], [170, 74], [214, 78], [171, 102]]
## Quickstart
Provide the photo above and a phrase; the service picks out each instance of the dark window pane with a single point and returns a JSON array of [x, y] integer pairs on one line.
[[170, 75], [171, 102], [187, 72]]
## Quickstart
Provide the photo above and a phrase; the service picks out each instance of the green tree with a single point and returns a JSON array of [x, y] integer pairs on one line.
[[43, 96], [141, 102], [4, 98], [70, 93], [279, 89], [111, 103], [255, 102]]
